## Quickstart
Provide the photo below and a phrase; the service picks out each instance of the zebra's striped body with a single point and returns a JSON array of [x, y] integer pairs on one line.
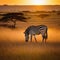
[[36, 30]]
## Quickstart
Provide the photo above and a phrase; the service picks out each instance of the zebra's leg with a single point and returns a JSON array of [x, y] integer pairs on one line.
[[35, 38], [31, 38], [45, 40], [42, 38], [45, 37]]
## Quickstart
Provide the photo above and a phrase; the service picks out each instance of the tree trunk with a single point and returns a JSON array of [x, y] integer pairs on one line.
[[14, 24]]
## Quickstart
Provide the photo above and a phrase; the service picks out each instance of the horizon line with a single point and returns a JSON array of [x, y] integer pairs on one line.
[[28, 5]]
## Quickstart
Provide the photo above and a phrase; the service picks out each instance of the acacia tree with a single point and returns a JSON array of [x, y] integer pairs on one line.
[[13, 17]]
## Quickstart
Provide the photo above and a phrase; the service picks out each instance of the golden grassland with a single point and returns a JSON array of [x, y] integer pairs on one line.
[[29, 51], [14, 47]]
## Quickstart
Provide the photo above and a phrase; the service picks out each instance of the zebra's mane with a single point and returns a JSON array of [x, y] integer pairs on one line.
[[27, 30]]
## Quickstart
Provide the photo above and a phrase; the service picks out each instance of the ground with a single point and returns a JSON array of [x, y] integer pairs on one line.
[[29, 51]]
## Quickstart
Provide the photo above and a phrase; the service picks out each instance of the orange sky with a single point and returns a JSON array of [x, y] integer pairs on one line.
[[30, 2]]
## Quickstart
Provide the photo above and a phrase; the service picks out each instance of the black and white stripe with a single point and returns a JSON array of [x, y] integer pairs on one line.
[[36, 30]]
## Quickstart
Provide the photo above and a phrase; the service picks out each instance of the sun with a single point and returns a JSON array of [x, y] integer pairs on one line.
[[38, 2]]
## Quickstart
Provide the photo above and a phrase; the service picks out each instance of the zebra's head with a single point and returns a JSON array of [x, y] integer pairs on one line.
[[26, 36]]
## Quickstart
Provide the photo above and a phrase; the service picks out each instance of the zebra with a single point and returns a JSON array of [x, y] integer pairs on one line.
[[36, 30]]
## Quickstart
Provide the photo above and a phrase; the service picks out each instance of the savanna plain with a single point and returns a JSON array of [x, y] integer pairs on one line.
[[12, 40]]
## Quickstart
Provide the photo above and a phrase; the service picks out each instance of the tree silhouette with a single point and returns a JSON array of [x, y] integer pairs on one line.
[[13, 17]]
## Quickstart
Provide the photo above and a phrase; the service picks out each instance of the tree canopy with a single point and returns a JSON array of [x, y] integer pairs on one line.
[[13, 17]]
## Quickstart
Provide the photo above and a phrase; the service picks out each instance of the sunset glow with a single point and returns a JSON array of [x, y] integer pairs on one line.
[[30, 2], [38, 2]]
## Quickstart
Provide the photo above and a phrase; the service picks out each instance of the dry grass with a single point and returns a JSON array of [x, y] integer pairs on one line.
[[29, 51]]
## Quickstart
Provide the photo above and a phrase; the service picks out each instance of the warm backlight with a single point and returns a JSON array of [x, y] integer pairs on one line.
[[38, 2], [30, 2]]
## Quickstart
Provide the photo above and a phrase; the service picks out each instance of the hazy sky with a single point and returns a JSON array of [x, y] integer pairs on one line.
[[30, 2]]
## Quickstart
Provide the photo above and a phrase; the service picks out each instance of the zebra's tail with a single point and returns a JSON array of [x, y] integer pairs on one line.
[[46, 36]]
